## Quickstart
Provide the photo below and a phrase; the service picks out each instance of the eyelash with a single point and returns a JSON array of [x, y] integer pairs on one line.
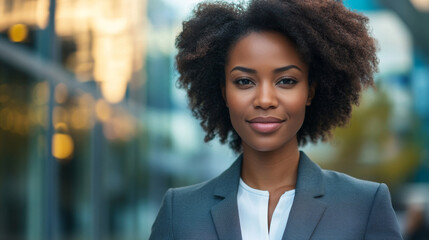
[[290, 81], [240, 81]]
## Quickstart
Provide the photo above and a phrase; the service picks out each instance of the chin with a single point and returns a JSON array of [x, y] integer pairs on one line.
[[264, 146], [270, 145]]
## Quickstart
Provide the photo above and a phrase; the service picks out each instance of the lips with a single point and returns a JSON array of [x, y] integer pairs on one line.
[[265, 124]]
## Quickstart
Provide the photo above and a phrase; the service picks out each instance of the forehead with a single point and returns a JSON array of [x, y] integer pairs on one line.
[[264, 48]]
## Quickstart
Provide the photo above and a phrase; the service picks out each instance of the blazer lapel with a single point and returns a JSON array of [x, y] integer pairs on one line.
[[225, 212], [307, 208]]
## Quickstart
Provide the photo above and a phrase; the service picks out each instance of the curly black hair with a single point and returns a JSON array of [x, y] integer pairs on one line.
[[333, 41]]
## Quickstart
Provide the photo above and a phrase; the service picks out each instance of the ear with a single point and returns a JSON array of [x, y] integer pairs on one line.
[[311, 93], [223, 89]]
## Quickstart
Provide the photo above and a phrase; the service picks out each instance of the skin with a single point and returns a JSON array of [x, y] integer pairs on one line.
[[265, 77]]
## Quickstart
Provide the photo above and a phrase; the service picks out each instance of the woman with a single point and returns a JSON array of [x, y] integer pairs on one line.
[[268, 78]]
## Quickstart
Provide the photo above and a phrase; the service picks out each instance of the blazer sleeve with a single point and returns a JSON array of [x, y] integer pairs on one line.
[[162, 228], [382, 222]]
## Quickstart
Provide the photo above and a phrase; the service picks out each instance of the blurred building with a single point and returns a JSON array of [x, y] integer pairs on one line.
[[93, 129], [71, 99]]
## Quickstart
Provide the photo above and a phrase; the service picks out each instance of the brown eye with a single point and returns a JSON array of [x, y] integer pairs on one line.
[[286, 81], [243, 82]]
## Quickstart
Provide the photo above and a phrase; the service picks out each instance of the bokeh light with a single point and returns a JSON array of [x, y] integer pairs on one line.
[[422, 5], [62, 146], [93, 129], [18, 33]]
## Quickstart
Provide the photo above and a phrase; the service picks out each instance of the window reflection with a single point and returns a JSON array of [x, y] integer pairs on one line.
[[93, 130]]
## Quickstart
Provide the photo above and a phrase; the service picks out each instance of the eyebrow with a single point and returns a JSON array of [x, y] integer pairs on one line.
[[283, 69], [277, 70], [243, 69]]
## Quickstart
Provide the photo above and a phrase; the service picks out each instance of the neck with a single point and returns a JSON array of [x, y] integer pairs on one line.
[[271, 170]]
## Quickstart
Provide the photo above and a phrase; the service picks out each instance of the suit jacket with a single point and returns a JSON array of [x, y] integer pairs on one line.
[[328, 205]]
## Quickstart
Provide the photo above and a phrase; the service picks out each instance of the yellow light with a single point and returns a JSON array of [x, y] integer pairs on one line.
[[113, 65], [62, 146], [61, 93], [114, 91], [422, 5], [18, 33], [42, 13], [103, 111]]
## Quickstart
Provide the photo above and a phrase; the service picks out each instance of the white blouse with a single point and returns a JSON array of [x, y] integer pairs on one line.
[[253, 213]]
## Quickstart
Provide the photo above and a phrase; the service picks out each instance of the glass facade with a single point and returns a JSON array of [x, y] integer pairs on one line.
[[93, 129]]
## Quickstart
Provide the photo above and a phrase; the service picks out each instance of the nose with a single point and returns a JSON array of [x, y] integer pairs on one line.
[[265, 97]]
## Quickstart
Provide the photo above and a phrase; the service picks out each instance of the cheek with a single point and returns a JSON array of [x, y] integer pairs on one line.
[[295, 104], [237, 100], [236, 107]]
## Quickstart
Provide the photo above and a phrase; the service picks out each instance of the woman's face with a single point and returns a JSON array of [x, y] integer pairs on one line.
[[266, 90]]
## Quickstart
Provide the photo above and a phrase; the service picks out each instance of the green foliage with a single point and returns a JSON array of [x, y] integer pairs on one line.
[[370, 147]]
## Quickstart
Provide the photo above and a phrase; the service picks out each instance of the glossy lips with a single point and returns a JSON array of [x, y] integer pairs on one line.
[[265, 124]]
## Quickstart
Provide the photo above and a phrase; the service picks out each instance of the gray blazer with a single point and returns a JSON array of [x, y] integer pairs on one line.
[[328, 205]]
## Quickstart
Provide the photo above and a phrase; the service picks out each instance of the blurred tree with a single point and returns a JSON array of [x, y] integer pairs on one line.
[[370, 148]]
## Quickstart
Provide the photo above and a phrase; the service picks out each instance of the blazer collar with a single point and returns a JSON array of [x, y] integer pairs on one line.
[[310, 177], [307, 208], [225, 213], [228, 181], [306, 212]]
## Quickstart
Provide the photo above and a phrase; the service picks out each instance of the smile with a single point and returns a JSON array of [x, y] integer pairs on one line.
[[265, 124]]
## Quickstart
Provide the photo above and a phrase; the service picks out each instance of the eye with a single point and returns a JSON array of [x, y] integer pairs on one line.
[[288, 82], [243, 82]]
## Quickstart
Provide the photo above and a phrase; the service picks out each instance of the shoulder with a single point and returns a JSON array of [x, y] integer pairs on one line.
[[183, 210], [194, 195], [222, 185], [333, 185], [342, 184], [339, 179], [367, 204], [345, 188], [195, 189], [359, 206]]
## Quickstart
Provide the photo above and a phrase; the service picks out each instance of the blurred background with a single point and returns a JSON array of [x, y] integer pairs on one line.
[[93, 130]]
